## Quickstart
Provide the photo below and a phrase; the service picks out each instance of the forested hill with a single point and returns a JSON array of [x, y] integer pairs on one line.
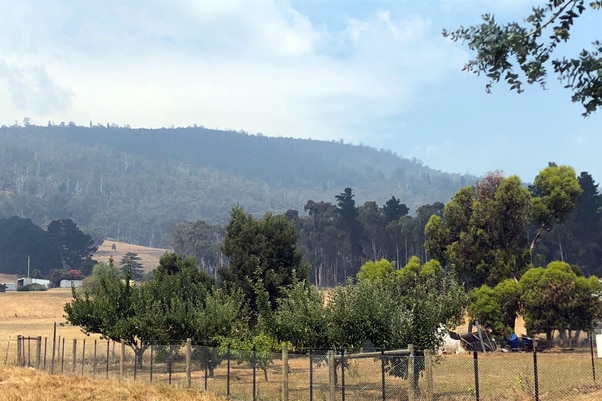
[[136, 184]]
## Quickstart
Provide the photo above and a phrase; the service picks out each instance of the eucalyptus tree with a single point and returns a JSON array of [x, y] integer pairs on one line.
[[518, 52], [482, 233]]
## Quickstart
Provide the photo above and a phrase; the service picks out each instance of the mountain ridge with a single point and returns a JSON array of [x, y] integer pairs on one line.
[[135, 184]]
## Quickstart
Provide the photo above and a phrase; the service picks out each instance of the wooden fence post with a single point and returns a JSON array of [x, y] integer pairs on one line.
[[284, 373], [428, 367], [19, 351], [188, 362], [331, 376], [74, 356], [122, 360], [411, 367], [38, 352]]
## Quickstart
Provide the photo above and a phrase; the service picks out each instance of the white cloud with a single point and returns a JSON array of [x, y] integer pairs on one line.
[[257, 65]]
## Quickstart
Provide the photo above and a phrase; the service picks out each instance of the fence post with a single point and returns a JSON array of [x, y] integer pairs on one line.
[[591, 350], [151, 365], [382, 374], [284, 373], [411, 367], [108, 350], [122, 360], [311, 376], [63, 356], [331, 375], [342, 374], [83, 355], [188, 360], [535, 375], [38, 352], [19, 351], [428, 368], [228, 375], [254, 363], [475, 358], [53, 349], [45, 351], [94, 362], [74, 356]]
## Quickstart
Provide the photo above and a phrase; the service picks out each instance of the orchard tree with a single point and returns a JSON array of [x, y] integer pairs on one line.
[[495, 308], [518, 52]]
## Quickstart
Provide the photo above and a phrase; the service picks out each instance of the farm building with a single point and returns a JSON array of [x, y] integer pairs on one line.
[[70, 283], [23, 281]]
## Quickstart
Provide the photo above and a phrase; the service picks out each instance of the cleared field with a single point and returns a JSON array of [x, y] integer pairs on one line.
[[34, 314], [149, 257]]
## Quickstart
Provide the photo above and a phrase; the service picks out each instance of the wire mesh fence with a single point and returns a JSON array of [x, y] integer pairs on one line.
[[333, 375]]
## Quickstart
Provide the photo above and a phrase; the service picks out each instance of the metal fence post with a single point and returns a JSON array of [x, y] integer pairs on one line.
[[535, 375], [382, 374], [254, 363], [342, 374], [475, 358], [311, 376], [591, 350], [331, 375]]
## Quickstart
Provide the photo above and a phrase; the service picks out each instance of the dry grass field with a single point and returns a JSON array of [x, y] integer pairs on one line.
[[149, 257], [503, 376], [19, 384], [34, 314]]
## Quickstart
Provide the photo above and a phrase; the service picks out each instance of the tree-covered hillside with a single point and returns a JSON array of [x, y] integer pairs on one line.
[[136, 184]]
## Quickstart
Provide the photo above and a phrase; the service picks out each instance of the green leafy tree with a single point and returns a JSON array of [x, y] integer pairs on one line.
[[485, 307], [300, 318], [556, 298], [177, 303], [110, 309], [261, 253], [555, 192], [523, 52], [482, 234]]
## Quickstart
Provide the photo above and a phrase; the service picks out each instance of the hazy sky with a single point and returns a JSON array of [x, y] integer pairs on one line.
[[373, 72]]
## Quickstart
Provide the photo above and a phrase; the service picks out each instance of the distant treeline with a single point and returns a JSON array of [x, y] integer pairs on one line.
[[135, 185]]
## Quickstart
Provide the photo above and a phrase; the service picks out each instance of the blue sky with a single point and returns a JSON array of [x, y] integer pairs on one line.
[[369, 72]]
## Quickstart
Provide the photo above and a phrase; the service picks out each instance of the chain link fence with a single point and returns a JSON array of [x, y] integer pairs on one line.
[[329, 375]]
